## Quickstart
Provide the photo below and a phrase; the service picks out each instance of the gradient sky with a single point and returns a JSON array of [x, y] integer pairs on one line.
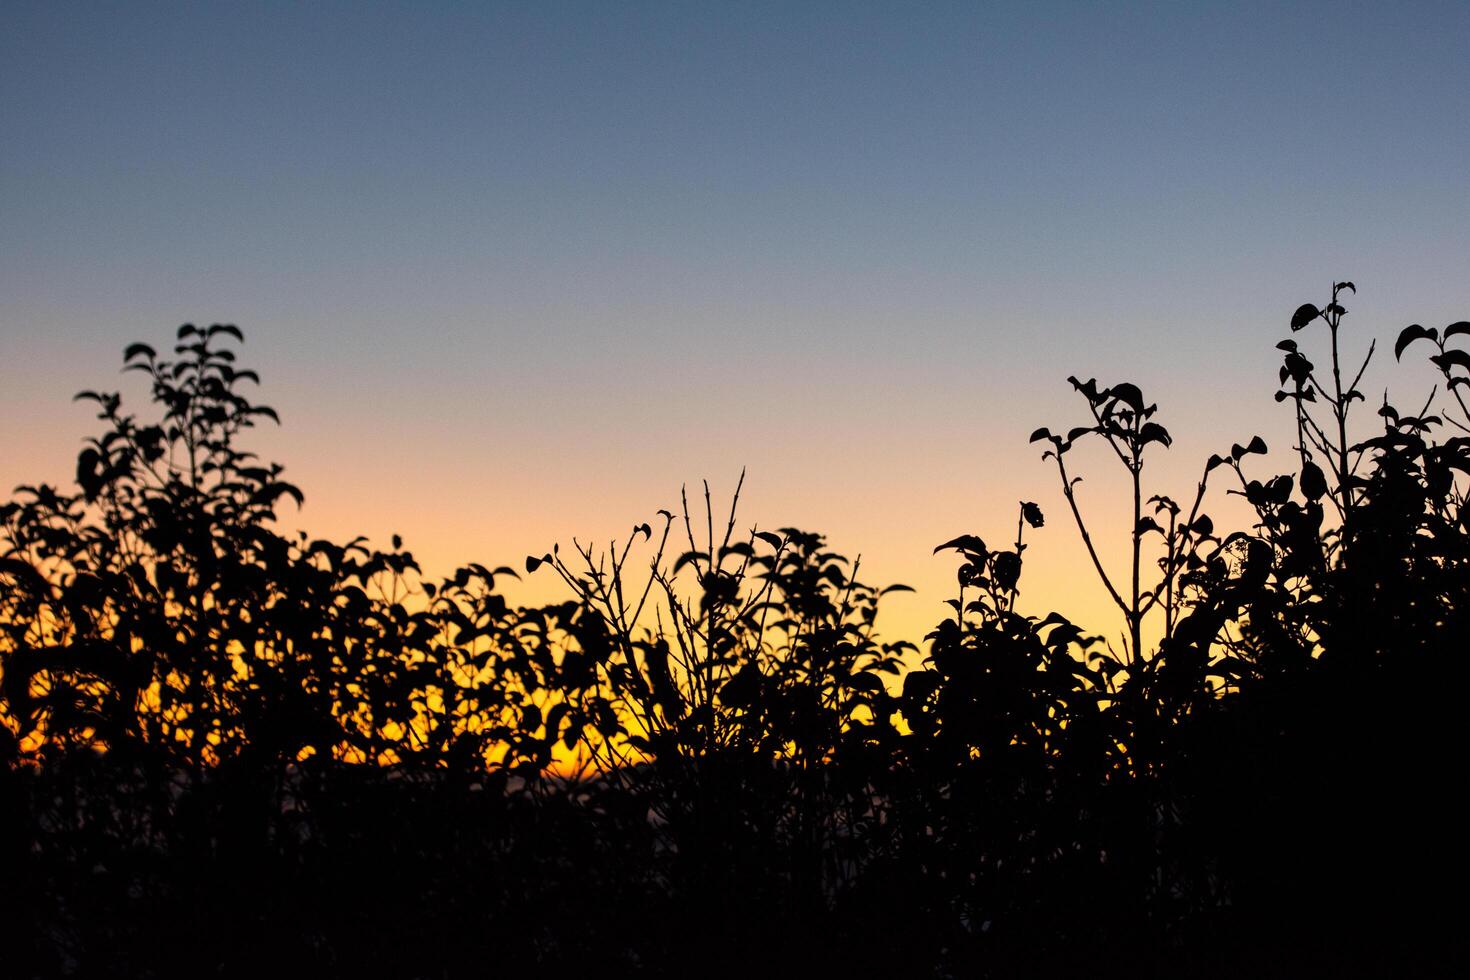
[[513, 272]]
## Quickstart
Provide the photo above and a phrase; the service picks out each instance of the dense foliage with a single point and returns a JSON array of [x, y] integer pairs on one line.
[[226, 750]]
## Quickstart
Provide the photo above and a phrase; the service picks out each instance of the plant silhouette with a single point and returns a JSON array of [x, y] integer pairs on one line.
[[229, 750]]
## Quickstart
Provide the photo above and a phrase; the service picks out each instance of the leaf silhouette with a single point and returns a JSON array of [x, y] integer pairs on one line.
[[1452, 357], [225, 328], [1313, 482], [1153, 432], [1407, 336], [1129, 395], [966, 542], [1304, 315]]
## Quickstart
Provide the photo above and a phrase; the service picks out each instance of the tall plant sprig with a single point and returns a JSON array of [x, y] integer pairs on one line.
[[1123, 419], [1445, 361], [671, 653], [1306, 389]]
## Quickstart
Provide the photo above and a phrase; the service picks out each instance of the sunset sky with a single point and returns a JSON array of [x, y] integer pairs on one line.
[[514, 272]]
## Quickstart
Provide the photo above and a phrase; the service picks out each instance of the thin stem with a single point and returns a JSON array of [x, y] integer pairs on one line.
[[1087, 538], [1135, 618]]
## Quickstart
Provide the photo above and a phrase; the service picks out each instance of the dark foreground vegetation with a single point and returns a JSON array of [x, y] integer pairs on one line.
[[229, 752]]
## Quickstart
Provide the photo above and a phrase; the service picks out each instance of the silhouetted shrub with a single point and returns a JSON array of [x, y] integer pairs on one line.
[[228, 750]]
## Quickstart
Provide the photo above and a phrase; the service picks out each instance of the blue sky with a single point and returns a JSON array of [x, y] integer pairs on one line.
[[514, 271]]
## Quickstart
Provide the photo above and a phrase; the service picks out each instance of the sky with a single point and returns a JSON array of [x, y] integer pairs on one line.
[[513, 273]]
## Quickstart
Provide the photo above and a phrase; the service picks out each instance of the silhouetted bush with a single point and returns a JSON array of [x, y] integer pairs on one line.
[[232, 751]]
